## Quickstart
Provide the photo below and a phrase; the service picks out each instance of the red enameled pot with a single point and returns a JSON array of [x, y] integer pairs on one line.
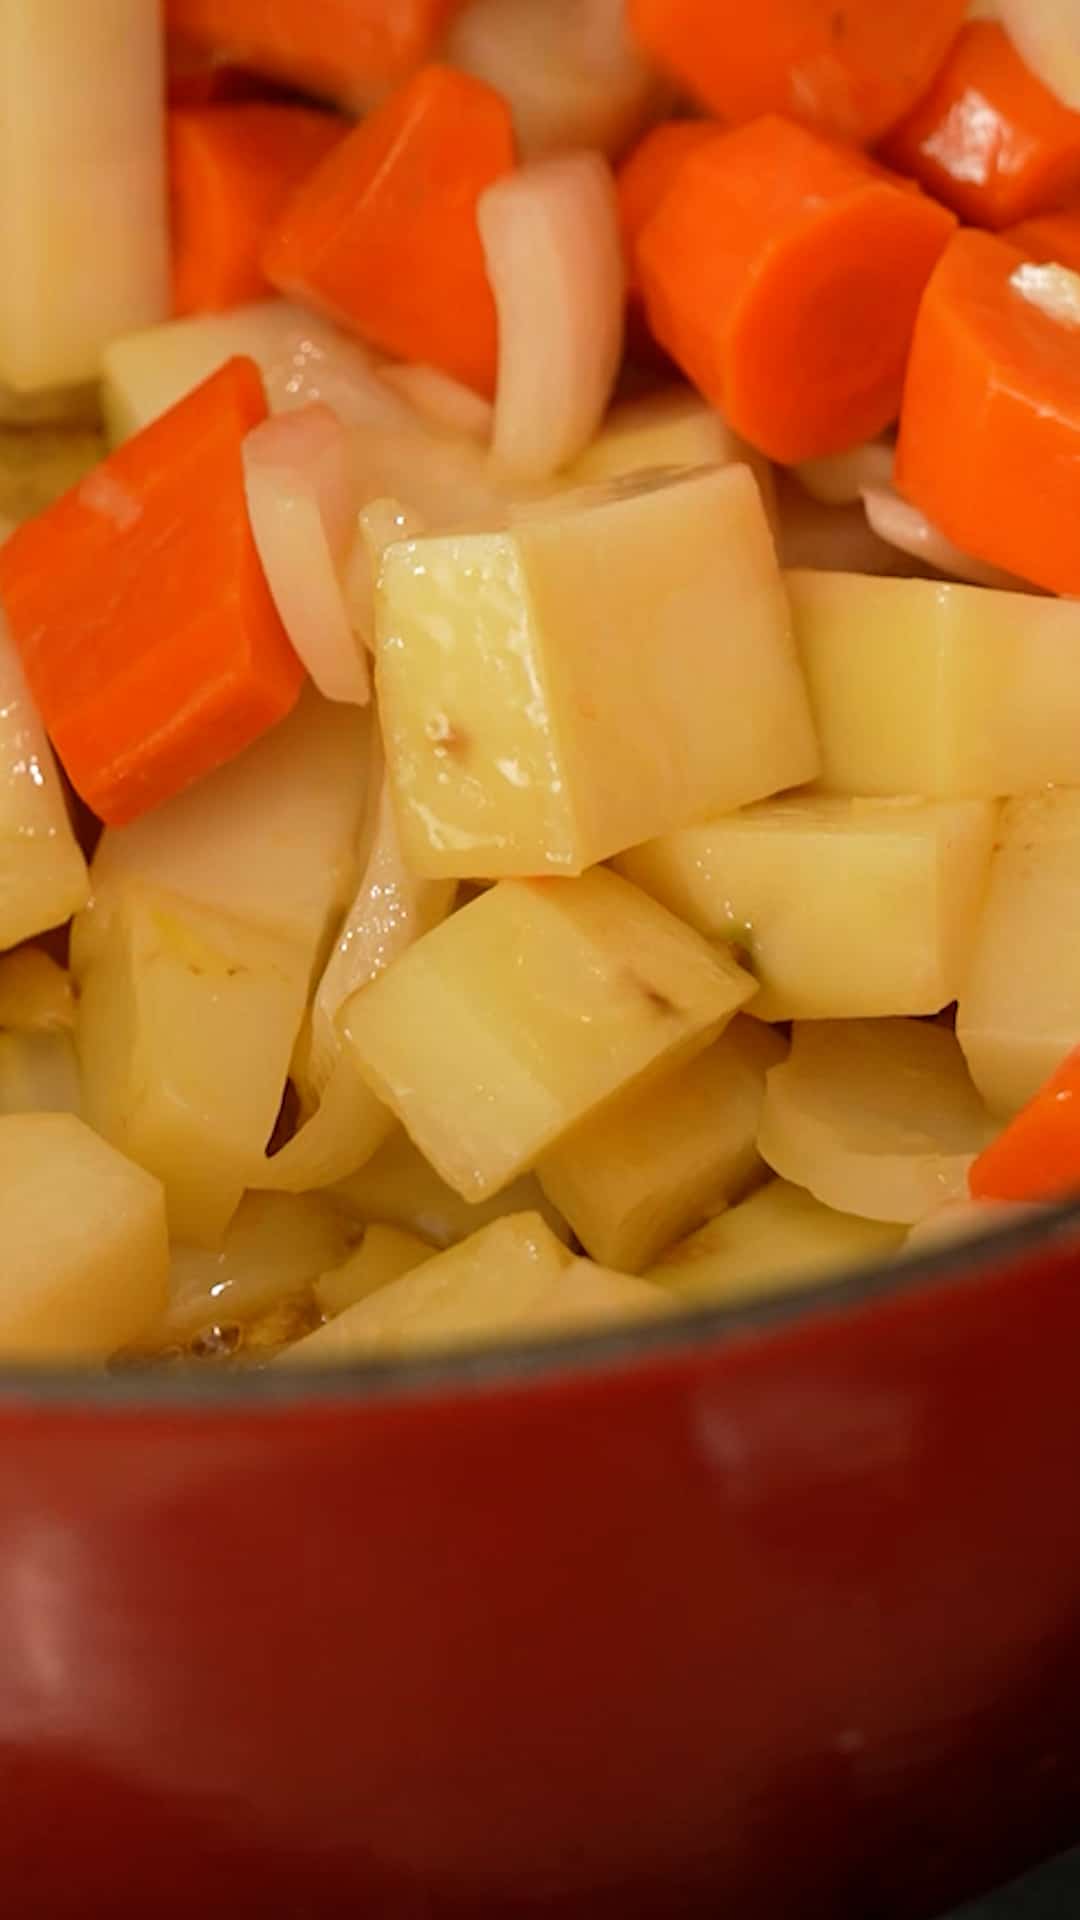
[[774, 1614]]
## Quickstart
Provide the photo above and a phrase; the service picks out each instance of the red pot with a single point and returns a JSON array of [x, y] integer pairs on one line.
[[775, 1614]]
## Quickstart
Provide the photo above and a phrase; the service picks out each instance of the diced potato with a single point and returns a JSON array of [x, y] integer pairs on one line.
[[36, 467], [42, 873], [778, 1241], [876, 1117], [923, 687], [277, 1244], [85, 1248], [399, 1188], [548, 699], [384, 1254], [185, 1027], [655, 1162], [673, 428], [39, 1072], [526, 1010], [35, 993], [847, 908], [1019, 1012], [83, 212]]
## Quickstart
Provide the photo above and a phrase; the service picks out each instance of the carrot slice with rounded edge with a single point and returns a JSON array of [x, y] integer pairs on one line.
[[139, 609], [1049, 237], [349, 50], [231, 169], [783, 274], [850, 70], [648, 172], [1037, 1156], [383, 238], [989, 140], [989, 444]]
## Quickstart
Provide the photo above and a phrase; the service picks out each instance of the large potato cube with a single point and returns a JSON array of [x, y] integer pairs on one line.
[[922, 687], [847, 908], [1019, 1012], [615, 664], [526, 1011], [42, 873], [86, 1255]]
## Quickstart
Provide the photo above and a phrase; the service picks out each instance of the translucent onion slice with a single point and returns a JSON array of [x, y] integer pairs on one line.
[[1046, 35], [829, 539], [554, 258], [443, 403], [902, 526], [838, 479], [875, 1117], [276, 1244], [298, 475], [962, 1219]]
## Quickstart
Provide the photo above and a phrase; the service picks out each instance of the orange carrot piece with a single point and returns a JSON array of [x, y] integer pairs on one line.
[[231, 170], [1037, 1156], [989, 140], [350, 50], [1049, 237], [849, 70], [989, 444], [383, 238], [648, 172], [194, 78], [138, 606], [783, 274]]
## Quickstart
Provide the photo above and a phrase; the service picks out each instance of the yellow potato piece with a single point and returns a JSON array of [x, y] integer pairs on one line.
[[656, 1161], [39, 1072], [847, 908], [778, 1241], [35, 993], [399, 1188], [526, 1010], [672, 428], [549, 699], [85, 1247], [384, 1254], [276, 1246], [42, 873]]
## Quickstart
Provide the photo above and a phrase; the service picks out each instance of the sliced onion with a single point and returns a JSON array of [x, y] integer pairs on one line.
[[441, 401], [903, 527], [828, 539], [298, 475], [838, 479], [554, 259], [1046, 35], [275, 1245], [35, 993], [347, 1127]]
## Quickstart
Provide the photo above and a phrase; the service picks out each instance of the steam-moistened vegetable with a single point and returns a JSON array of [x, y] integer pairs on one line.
[[670, 428], [276, 1247], [1037, 1157], [349, 52], [399, 1188], [1049, 236], [778, 1241], [42, 872], [568, 70], [384, 1254], [39, 1072], [1044, 35]]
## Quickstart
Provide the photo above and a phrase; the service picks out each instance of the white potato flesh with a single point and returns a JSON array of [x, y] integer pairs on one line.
[[1019, 1012], [39, 1072], [276, 1246], [83, 217], [43, 876], [384, 1254], [778, 1241], [846, 908], [672, 428], [35, 993], [875, 1117], [398, 1187], [86, 1255]]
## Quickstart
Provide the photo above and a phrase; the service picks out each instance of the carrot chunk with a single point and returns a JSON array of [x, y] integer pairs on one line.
[[349, 50], [989, 445], [989, 139], [1037, 1156], [144, 624], [231, 169], [783, 274], [849, 70], [383, 238], [647, 173], [1049, 236]]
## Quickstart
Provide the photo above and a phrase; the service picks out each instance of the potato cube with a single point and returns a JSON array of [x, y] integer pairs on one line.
[[526, 1010], [397, 1187], [42, 873], [922, 687], [652, 1164], [384, 1254], [1019, 1011], [39, 1072], [778, 1241], [549, 696], [86, 1255], [672, 428], [846, 907]]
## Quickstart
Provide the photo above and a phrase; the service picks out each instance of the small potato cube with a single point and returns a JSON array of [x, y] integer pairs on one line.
[[653, 1163], [778, 1241], [185, 1027], [526, 1010], [673, 428], [549, 696], [847, 908], [397, 1187], [42, 873], [39, 1072], [86, 1254], [922, 687], [384, 1254], [1019, 1011]]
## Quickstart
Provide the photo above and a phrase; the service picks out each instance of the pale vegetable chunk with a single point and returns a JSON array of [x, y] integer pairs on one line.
[[875, 1117], [672, 428], [1019, 1012], [276, 1246], [526, 1010], [186, 1024], [83, 215], [778, 1241], [384, 1254], [966, 1219], [42, 873], [399, 1188], [614, 665], [39, 1072], [847, 908], [35, 993], [85, 1248], [654, 1163], [919, 686]]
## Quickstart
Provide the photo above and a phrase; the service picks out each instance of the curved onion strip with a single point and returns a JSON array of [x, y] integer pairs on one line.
[[902, 526], [838, 479], [440, 401], [1046, 35], [347, 1127], [828, 539], [300, 499], [554, 259]]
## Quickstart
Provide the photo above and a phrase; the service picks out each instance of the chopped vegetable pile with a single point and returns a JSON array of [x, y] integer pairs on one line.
[[539, 666]]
